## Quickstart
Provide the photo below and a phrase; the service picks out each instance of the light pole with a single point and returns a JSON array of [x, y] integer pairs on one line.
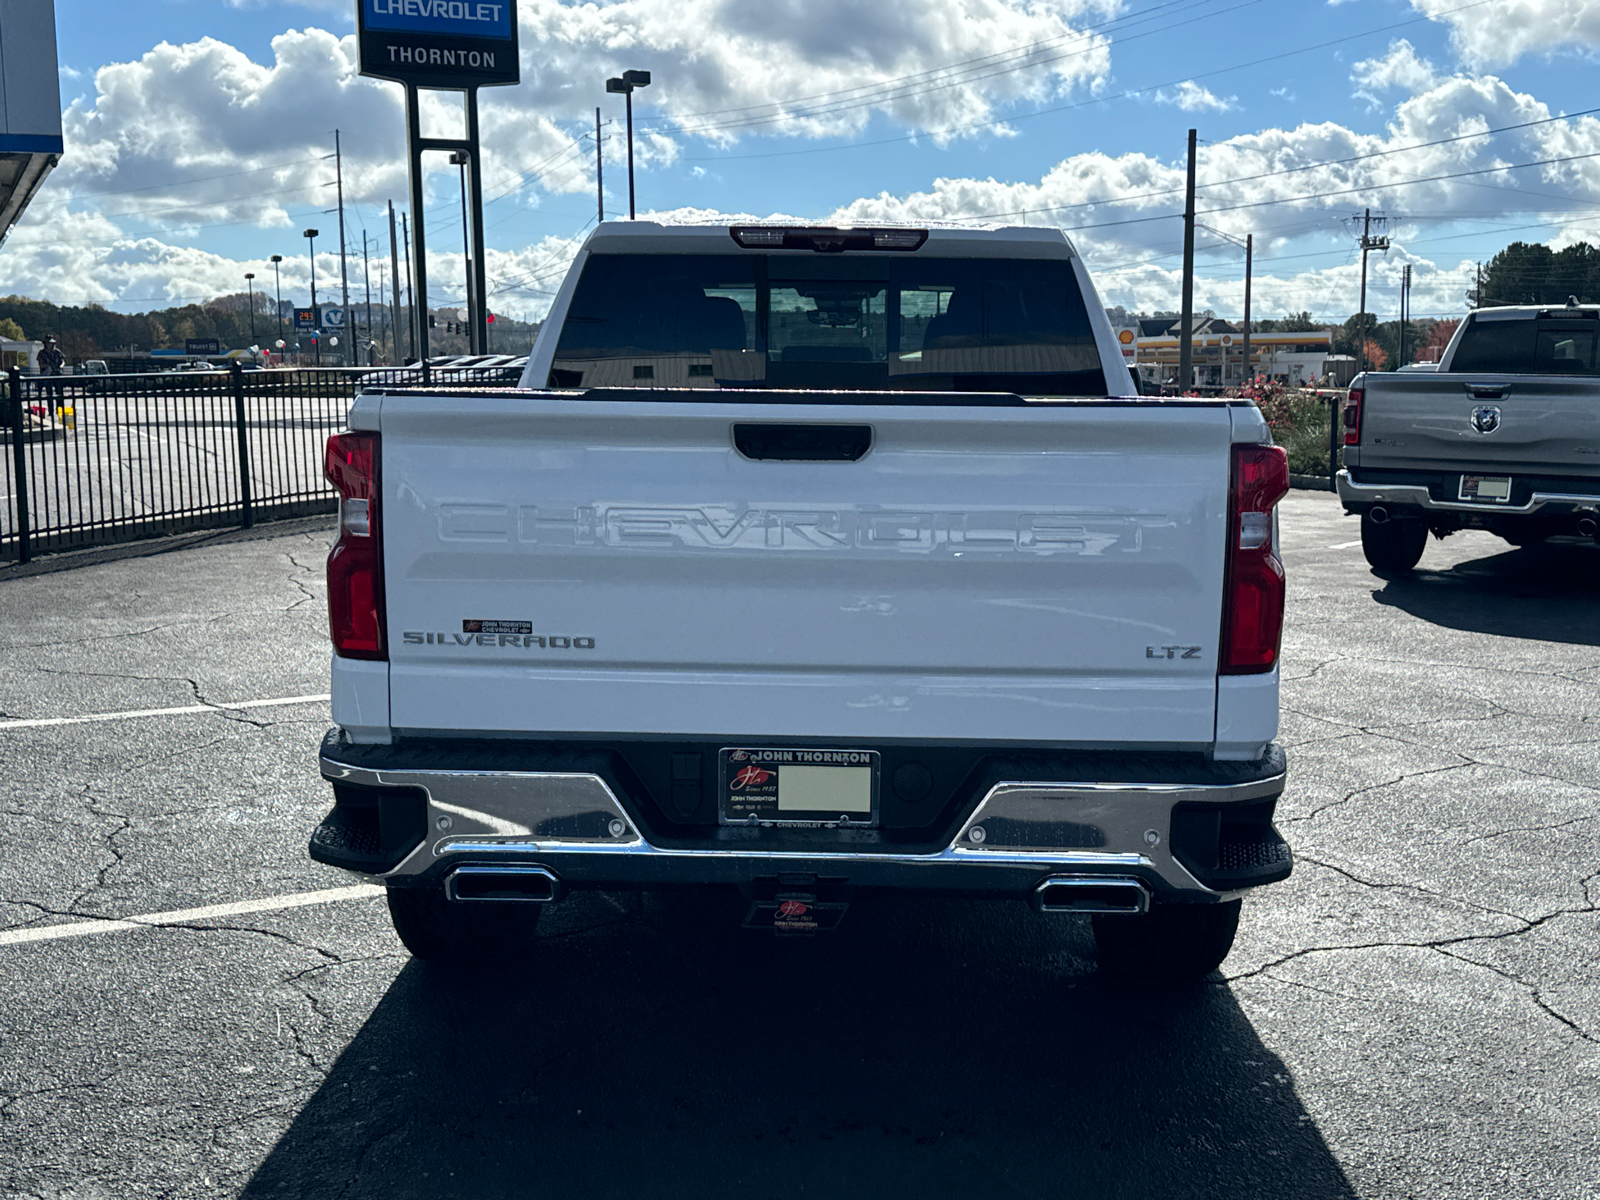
[[625, 86], [277, 275], [311, 238], [250, 290], [460, 158]]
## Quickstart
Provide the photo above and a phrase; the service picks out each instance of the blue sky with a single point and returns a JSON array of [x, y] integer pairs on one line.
[[158, 150]]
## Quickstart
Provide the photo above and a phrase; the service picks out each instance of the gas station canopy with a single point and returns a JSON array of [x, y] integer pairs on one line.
[[30, 103]]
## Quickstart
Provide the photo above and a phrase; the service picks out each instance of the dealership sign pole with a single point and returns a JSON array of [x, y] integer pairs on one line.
[[451, 45]]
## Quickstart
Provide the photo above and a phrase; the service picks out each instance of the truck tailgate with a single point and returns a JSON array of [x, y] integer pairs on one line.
[[1548, 425], [1044, 575]]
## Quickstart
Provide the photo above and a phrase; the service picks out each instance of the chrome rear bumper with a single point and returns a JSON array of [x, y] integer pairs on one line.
[[1418, 496], [574, 826]]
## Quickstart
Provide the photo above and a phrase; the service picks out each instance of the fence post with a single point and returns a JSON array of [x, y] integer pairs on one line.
[[19, 454], [1333, 442], [243, 428]]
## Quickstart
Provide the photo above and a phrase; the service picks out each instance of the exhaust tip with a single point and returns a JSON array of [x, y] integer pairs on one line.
[[1587, 527], [530, 885], [1091, 894], [1379, 514]]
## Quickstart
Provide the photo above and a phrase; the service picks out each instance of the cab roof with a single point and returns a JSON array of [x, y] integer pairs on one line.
[[944, 240]]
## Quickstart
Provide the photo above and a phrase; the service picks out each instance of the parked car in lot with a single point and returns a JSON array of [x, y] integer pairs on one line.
[[808, 562], [1503, 436]]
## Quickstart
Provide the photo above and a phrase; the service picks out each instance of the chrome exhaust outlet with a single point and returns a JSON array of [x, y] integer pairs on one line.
[[1091, 894], [1587, 527], [531, 885], [1379, 514]]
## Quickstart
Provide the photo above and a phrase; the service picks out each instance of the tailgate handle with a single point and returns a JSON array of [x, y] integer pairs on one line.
[[802, 443], [1488, 391]]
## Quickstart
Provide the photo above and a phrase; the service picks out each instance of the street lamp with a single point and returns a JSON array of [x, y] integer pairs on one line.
[[276, 259], [625, 85], [311, 238], [250, 290], [460, 158]]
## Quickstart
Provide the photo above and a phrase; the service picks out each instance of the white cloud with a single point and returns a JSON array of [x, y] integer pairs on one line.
[[1502, 32], [1401, 69], [1191, 97], [203, 108]]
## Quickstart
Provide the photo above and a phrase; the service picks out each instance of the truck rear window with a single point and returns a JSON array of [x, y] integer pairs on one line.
[[875, 323], [1537, 346]]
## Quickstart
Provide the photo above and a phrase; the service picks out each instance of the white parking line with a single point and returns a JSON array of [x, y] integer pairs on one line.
[[187, 709], [185, 916], [1345, 545]]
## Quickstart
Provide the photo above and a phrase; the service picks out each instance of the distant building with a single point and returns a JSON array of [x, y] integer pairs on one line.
[[1217, 353], [19, 354]]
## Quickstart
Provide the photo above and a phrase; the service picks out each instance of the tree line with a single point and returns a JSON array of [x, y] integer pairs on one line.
[[91, 331]]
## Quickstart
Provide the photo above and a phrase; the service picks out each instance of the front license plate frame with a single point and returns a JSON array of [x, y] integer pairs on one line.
[[1473, 491], [751, 791]]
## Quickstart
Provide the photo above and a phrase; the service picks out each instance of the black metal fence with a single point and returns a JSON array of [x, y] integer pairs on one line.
[[91, 460]]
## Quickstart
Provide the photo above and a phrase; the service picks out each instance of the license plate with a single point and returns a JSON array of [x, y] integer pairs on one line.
[[1495, 489], [763, 786]]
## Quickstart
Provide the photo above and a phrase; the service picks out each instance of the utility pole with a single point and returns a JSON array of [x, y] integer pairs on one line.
[[411, 300], [1368, 243], [366, 272], [461, 158], [1405, 310], [1186, 333], [344, 273], [1477, 292], [599, 166], [1249, 262], [394, 276]]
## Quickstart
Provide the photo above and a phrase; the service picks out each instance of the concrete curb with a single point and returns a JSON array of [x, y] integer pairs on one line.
[[1310, 483]]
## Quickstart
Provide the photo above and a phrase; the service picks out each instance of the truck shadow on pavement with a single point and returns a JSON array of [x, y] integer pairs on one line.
[[1548, 592], [929, 1048]]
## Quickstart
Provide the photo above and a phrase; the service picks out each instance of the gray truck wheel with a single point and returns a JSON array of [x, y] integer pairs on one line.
[[1394, 545], [438, 929], [1171, 941]]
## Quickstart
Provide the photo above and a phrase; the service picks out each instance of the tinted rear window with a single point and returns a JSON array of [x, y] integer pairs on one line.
[[1542, 346], [829, 321]]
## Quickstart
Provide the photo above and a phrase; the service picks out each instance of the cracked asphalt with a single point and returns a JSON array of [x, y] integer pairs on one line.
[[1413, 1014]]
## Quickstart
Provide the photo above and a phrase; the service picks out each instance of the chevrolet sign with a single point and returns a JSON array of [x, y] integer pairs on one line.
[[439, 43]]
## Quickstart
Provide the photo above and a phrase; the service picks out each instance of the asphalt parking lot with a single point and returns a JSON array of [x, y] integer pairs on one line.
[[1413, 1014]]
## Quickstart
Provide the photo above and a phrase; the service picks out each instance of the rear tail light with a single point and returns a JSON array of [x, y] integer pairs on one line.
[[355, 565], [1253, 588], [1352, 417]]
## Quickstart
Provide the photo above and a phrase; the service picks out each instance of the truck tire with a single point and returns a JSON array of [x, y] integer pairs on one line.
[[438, 929], [1394, 545], [1171, 942]]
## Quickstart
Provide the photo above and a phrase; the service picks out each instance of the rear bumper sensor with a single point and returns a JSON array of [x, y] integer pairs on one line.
[[572, 826]]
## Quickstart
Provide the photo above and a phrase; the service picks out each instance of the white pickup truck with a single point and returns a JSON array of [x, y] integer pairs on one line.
[[810, 562]]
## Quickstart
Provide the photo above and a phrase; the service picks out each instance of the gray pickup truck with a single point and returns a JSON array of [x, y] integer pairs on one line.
[[1504, 436]]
